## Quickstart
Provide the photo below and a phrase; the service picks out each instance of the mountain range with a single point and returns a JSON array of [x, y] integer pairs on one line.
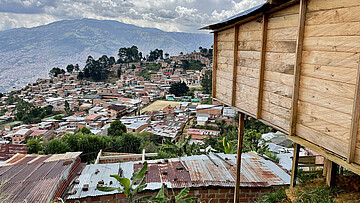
[[29, 53]]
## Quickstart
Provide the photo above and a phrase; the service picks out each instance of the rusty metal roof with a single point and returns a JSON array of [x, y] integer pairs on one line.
[[35, 178], [217, 170]]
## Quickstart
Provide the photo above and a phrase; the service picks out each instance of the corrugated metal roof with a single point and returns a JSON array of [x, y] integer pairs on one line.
[[217, 170], [33, 179]]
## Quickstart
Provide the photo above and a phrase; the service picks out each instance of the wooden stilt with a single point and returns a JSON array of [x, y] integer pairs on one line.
[[331, 173], [325, 167], [238, 161], [295, 165]]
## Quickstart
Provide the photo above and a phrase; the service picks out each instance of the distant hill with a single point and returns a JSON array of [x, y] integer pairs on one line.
[[29, 53]]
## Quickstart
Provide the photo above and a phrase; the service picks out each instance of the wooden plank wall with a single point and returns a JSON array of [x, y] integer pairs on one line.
[[328, 74], [279, 66], [225, 59], [328, 77], [248, 65]]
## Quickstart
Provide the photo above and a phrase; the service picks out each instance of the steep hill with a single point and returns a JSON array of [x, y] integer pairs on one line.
[[29, 53]]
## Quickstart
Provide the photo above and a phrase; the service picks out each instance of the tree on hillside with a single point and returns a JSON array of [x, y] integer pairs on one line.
[[33, 145], [129, 54], [179, 89], [54, 72], [206, 82], [116, 129], [76, 68], [70, 68], [67, 107], [119, 72], [97, 69], [155, 55]]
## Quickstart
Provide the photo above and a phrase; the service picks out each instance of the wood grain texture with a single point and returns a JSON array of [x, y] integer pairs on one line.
[[328, 87], [283, 21], [287, 33], [262, 65], [234, 73], [276, 99], [276, 121], [277, 88], [328, 142], [331, 73], [326, 114], [331, 4], [294, 167], [247, 72], [280, 66], [337, 103], [339, 29], [288, 46], [322, 126], [297, 70], [340, 15], [286, 11], [333, 44], [238, 160], [280, 78], [355, 119]]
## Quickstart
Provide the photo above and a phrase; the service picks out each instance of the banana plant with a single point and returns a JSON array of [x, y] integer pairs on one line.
[[227, 148], [179, 198], [180, 148], [128, 185]]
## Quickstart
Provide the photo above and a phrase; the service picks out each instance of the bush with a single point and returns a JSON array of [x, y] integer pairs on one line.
[[273, 197]]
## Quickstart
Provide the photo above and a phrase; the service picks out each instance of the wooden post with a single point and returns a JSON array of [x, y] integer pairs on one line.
[[238, 161], [294, 167], [214, 65], [297, 70], [262, 65], [354, 120], [236, 37], [325, 167], [331, 173]]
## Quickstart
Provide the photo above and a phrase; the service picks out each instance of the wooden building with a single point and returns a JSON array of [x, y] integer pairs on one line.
[[294, 65]]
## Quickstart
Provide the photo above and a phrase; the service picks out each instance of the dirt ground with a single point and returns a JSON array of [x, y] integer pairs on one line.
[[349, 189], [159, 105]]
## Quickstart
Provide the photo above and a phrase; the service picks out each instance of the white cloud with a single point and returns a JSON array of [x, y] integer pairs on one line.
[[168, 15]]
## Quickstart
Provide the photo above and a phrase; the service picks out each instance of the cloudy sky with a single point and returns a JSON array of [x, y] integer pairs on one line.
[[168, 15]]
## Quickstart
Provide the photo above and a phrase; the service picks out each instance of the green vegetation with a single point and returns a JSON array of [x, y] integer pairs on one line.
[[34, 146], [171, 150], [179, 198], [97, 69], [28, 113], [192, 65], [129, 55], [323, 194], [54, 72], [146, 74], [116, 129], [156, 54], [273, 197], [88, 143], [70, 68], [206, 82], [206, 52], [206, 101], [251, 140], [179, 89], [130, 191], [128, 185], [153, 67]]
